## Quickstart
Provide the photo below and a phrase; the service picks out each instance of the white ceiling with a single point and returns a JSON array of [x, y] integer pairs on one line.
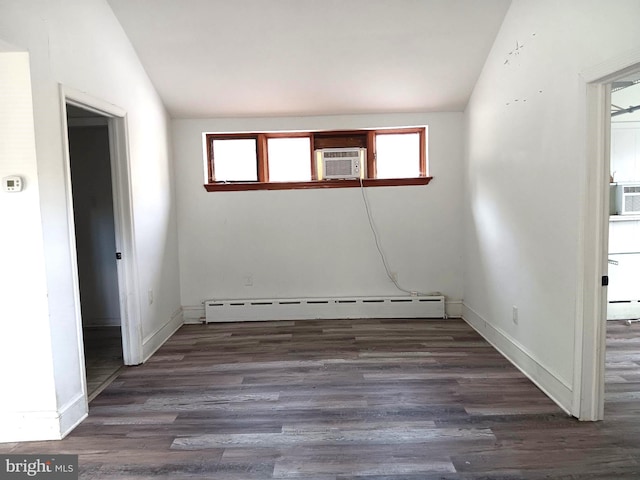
[[221, 58]]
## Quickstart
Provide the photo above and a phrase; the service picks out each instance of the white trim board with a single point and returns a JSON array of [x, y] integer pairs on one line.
[[123, 216], [154, 341], [193, 314], [454, 308], [30, 426], [551, 384], [75, 410], [73, 413]]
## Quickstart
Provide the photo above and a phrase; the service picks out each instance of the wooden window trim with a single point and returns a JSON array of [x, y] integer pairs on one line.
[[267, 136], [423, 143], [232, 136], [350, 183], [365, 137]]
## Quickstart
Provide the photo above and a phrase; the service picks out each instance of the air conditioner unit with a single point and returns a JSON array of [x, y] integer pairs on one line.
[[628, 199], [342, 162]]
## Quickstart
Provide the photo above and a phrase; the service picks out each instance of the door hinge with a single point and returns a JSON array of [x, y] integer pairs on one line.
[[605, 280], [118, 256]]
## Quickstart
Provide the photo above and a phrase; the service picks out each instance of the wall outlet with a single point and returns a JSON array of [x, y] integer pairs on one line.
[[515, 314], [248, 281], [150, 296]]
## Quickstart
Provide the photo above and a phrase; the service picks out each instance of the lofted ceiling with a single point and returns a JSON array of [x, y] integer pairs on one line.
[[235, 58]]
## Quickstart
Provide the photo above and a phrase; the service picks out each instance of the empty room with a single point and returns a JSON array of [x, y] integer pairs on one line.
[[355, 239]]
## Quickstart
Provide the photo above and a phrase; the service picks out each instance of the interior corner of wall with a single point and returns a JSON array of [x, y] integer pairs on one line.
[[556, 388]]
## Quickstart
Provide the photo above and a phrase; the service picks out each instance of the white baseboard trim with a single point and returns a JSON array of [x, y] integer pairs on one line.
[[30, 426], [73, 413], [454, 308], [153, 342], [551, 384], [193, 313]]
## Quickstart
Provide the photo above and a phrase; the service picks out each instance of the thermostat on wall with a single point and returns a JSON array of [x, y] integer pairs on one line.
[[12, 184]]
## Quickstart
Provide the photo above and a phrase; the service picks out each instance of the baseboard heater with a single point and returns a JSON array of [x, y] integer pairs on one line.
[[623, 309], [324, 308]]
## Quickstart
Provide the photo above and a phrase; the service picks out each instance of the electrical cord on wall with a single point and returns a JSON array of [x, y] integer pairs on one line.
[[381, 252]]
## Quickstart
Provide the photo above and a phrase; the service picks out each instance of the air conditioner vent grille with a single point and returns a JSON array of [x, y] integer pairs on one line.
[[338, 168], [342, 154], [632, 203]]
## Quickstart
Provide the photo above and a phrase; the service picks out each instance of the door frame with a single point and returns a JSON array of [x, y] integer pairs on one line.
[[591, 308], [130, 315]]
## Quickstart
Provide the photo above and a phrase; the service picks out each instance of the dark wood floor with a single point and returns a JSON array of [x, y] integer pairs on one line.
[[338, 400]]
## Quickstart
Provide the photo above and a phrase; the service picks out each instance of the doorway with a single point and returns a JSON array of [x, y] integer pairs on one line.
[[622, 355], [591, 321], [94, 223], [624, 204], [112, 295]]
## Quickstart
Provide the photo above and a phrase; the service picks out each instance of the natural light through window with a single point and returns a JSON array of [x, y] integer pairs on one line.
[[289, 159], [285, 160], [398, 155], [235, 160]]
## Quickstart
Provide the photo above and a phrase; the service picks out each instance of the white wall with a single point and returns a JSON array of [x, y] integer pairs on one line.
[[525, 177], [27, 370], [80, 44], [310, 243]]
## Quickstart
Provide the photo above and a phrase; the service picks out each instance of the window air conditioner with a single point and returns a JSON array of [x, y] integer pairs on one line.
[[342, 162], [628, 199]]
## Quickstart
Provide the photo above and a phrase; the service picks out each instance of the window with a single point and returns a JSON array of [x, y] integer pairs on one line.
[[396, 155], [235, 159], [289, 160]]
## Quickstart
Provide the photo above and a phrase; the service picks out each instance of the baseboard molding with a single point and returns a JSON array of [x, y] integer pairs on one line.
[[153, 342], [30, 426], [453, 308], [193, 313], [551, 384], [73, 413]]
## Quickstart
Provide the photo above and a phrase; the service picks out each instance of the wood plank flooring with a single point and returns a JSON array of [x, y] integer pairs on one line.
[[103, 357], [349, 399]]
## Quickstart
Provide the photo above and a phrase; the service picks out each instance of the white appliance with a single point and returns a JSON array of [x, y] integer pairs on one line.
[[342, 162], [628, 199]]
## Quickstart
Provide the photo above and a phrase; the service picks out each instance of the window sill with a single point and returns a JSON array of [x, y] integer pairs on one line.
[[367, 182]]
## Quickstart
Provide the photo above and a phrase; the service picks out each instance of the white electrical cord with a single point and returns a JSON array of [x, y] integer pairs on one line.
[[379, 247]]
